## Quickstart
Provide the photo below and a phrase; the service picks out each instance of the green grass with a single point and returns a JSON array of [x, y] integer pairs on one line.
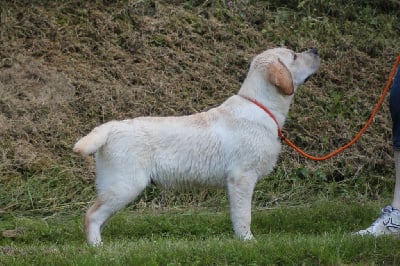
[[319, 233]]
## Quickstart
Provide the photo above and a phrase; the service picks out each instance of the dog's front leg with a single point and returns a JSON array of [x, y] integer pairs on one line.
[[240, 191]]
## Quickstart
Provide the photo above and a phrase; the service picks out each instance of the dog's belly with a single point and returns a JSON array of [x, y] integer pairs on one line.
[[188, 170], [188, 182]]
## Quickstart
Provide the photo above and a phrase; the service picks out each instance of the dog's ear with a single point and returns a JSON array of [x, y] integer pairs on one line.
[[279, 76]]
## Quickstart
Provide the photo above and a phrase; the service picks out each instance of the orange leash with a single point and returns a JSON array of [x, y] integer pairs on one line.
[[354, 140]]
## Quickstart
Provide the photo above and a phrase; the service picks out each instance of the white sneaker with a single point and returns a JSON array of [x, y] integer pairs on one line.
[[386, 224]]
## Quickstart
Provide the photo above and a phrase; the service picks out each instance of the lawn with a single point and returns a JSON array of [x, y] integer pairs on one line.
[[315, 234]]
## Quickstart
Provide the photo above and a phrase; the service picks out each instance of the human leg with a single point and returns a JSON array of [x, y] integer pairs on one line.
[[388, 223], [394, 104]]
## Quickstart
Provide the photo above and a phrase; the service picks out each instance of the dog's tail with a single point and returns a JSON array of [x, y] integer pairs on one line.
[[93, 141]]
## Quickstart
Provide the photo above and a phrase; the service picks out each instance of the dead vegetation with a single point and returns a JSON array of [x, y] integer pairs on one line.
[[67, 66]]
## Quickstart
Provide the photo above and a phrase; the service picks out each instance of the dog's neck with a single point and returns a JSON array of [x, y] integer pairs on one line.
[[277, 103]]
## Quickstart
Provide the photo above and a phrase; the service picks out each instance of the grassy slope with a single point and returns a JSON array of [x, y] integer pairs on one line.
[[66, 67]]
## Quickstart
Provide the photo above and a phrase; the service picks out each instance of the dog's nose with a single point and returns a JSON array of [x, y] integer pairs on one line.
[[314, 51]]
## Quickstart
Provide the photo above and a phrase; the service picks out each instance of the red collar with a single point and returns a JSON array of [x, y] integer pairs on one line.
[[280, 134]]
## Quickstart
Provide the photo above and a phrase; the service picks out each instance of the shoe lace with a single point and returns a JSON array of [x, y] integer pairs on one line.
[[385, 212]]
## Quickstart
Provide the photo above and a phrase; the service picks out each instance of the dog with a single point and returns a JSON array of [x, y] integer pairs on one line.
[[232, 145]]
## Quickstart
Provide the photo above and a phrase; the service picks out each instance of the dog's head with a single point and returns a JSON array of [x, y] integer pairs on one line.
[[285, 69]]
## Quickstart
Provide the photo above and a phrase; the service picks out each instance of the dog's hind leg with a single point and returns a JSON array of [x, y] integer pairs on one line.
[[240, 191], [110, 200]]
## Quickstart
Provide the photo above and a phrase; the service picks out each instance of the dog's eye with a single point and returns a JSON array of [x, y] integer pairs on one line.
[[294, 57]]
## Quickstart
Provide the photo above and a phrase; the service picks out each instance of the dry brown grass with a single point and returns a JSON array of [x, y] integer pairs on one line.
[[67, 66]]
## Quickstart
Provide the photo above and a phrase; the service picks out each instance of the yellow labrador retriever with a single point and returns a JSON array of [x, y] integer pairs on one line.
[[232, 145]]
